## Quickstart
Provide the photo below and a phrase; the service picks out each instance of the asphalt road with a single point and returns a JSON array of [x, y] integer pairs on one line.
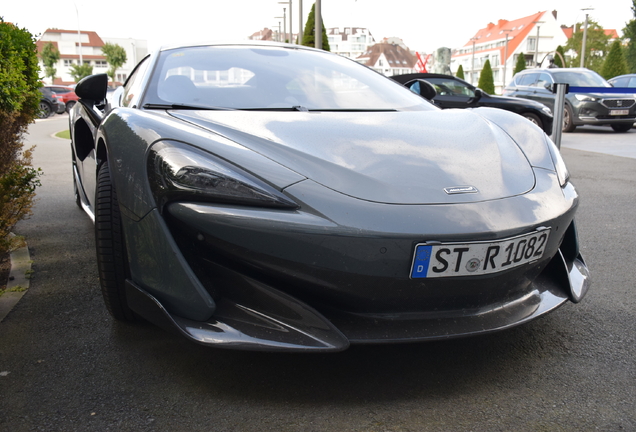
[[65, 365]]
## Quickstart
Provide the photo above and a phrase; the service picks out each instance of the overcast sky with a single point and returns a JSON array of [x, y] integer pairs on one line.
[[423, 25]]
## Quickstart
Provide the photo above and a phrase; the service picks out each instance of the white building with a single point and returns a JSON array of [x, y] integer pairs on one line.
[[89, 44], [535, 36], [349, 42]]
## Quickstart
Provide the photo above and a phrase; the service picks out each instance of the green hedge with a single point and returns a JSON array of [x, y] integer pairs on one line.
[[19, 105]]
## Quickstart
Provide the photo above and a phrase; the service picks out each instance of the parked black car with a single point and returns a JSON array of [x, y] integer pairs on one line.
[[454, 92], [598, 108], [49, 103], [628, 80]]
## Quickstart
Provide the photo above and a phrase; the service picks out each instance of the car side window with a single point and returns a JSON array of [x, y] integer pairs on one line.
[[447, 87], [543, 80], [620, 82], [527, 79], [133, 85]]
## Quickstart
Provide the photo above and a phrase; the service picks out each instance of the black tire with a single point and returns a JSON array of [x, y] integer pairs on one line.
[[45, 110], [111, 250], [568, 119], [621, 127], [69, 106], [534, 119]]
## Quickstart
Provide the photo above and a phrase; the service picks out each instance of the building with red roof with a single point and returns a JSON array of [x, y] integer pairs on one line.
[[87, 46], [534, 36], [389, 59]]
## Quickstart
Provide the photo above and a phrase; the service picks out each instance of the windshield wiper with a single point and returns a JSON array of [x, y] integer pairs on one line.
[[292, 108], [184, 106]]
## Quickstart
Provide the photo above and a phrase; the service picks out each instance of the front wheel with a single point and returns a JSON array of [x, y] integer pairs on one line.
[[621, 127], [45, 110], [568, 119], [534, 119], [111, 250]]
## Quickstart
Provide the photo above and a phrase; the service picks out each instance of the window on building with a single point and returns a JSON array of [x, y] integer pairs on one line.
[[68, 63], [531, 43], [101, 63]]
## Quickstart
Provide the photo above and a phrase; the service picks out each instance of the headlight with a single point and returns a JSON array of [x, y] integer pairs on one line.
[[178, 172], [559, 164], [585, 98]]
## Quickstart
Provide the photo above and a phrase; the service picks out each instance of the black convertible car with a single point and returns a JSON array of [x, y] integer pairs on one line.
[[453, 92], [276, 197]]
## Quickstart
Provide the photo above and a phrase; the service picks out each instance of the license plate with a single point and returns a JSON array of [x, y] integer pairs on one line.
[[478, 258], [619, 112]]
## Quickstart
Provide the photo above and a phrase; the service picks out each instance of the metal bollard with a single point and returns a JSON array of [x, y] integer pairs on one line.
[[561, 89]]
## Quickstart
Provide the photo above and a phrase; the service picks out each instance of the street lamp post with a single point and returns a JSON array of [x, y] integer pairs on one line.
[[79, 37], [584, 38], [536, 45], [505, 60], [318, 26], [472, 65], [284, 25], [300, 22], [291, 32], [278, 34]]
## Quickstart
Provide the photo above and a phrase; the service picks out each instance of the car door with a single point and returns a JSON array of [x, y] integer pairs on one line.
[[451, 93], [526, 85], [540, 90]]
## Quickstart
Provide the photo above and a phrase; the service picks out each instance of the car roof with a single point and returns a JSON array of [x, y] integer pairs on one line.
[[238, 43]]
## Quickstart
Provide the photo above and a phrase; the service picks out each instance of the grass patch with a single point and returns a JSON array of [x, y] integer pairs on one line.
[[65, 134]]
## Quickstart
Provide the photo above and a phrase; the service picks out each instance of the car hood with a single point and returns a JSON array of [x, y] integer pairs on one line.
[[386, 157], [511, 100]]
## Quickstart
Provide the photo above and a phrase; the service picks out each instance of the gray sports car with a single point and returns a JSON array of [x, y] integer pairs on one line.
[[276, 197]]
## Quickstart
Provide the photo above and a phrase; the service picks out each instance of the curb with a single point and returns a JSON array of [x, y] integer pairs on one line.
[[18, 280]]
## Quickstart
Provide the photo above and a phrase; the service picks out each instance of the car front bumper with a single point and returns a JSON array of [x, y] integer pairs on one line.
[[304, 281]]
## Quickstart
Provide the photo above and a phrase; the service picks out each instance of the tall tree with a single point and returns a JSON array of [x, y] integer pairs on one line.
[[460, 72], [521, 63], [80, 71], [615, 62], [308, 35], [486, 81], [50, 55], [115, 56], [629, 32], [596, 45]]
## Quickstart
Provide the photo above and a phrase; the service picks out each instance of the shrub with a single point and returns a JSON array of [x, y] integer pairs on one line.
[[486, 81], [460, 72], [521, 63], [19, 106]]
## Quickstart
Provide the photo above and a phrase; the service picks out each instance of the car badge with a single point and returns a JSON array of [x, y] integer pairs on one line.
[[619, 103], [460, 190]]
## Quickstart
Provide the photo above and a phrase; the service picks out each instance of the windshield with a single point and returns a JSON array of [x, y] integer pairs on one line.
[[580, 79], [254, 77]]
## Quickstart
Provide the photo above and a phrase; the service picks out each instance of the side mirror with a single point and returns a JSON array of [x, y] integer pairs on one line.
[[422, 88], [92, 89], [478, 95]]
